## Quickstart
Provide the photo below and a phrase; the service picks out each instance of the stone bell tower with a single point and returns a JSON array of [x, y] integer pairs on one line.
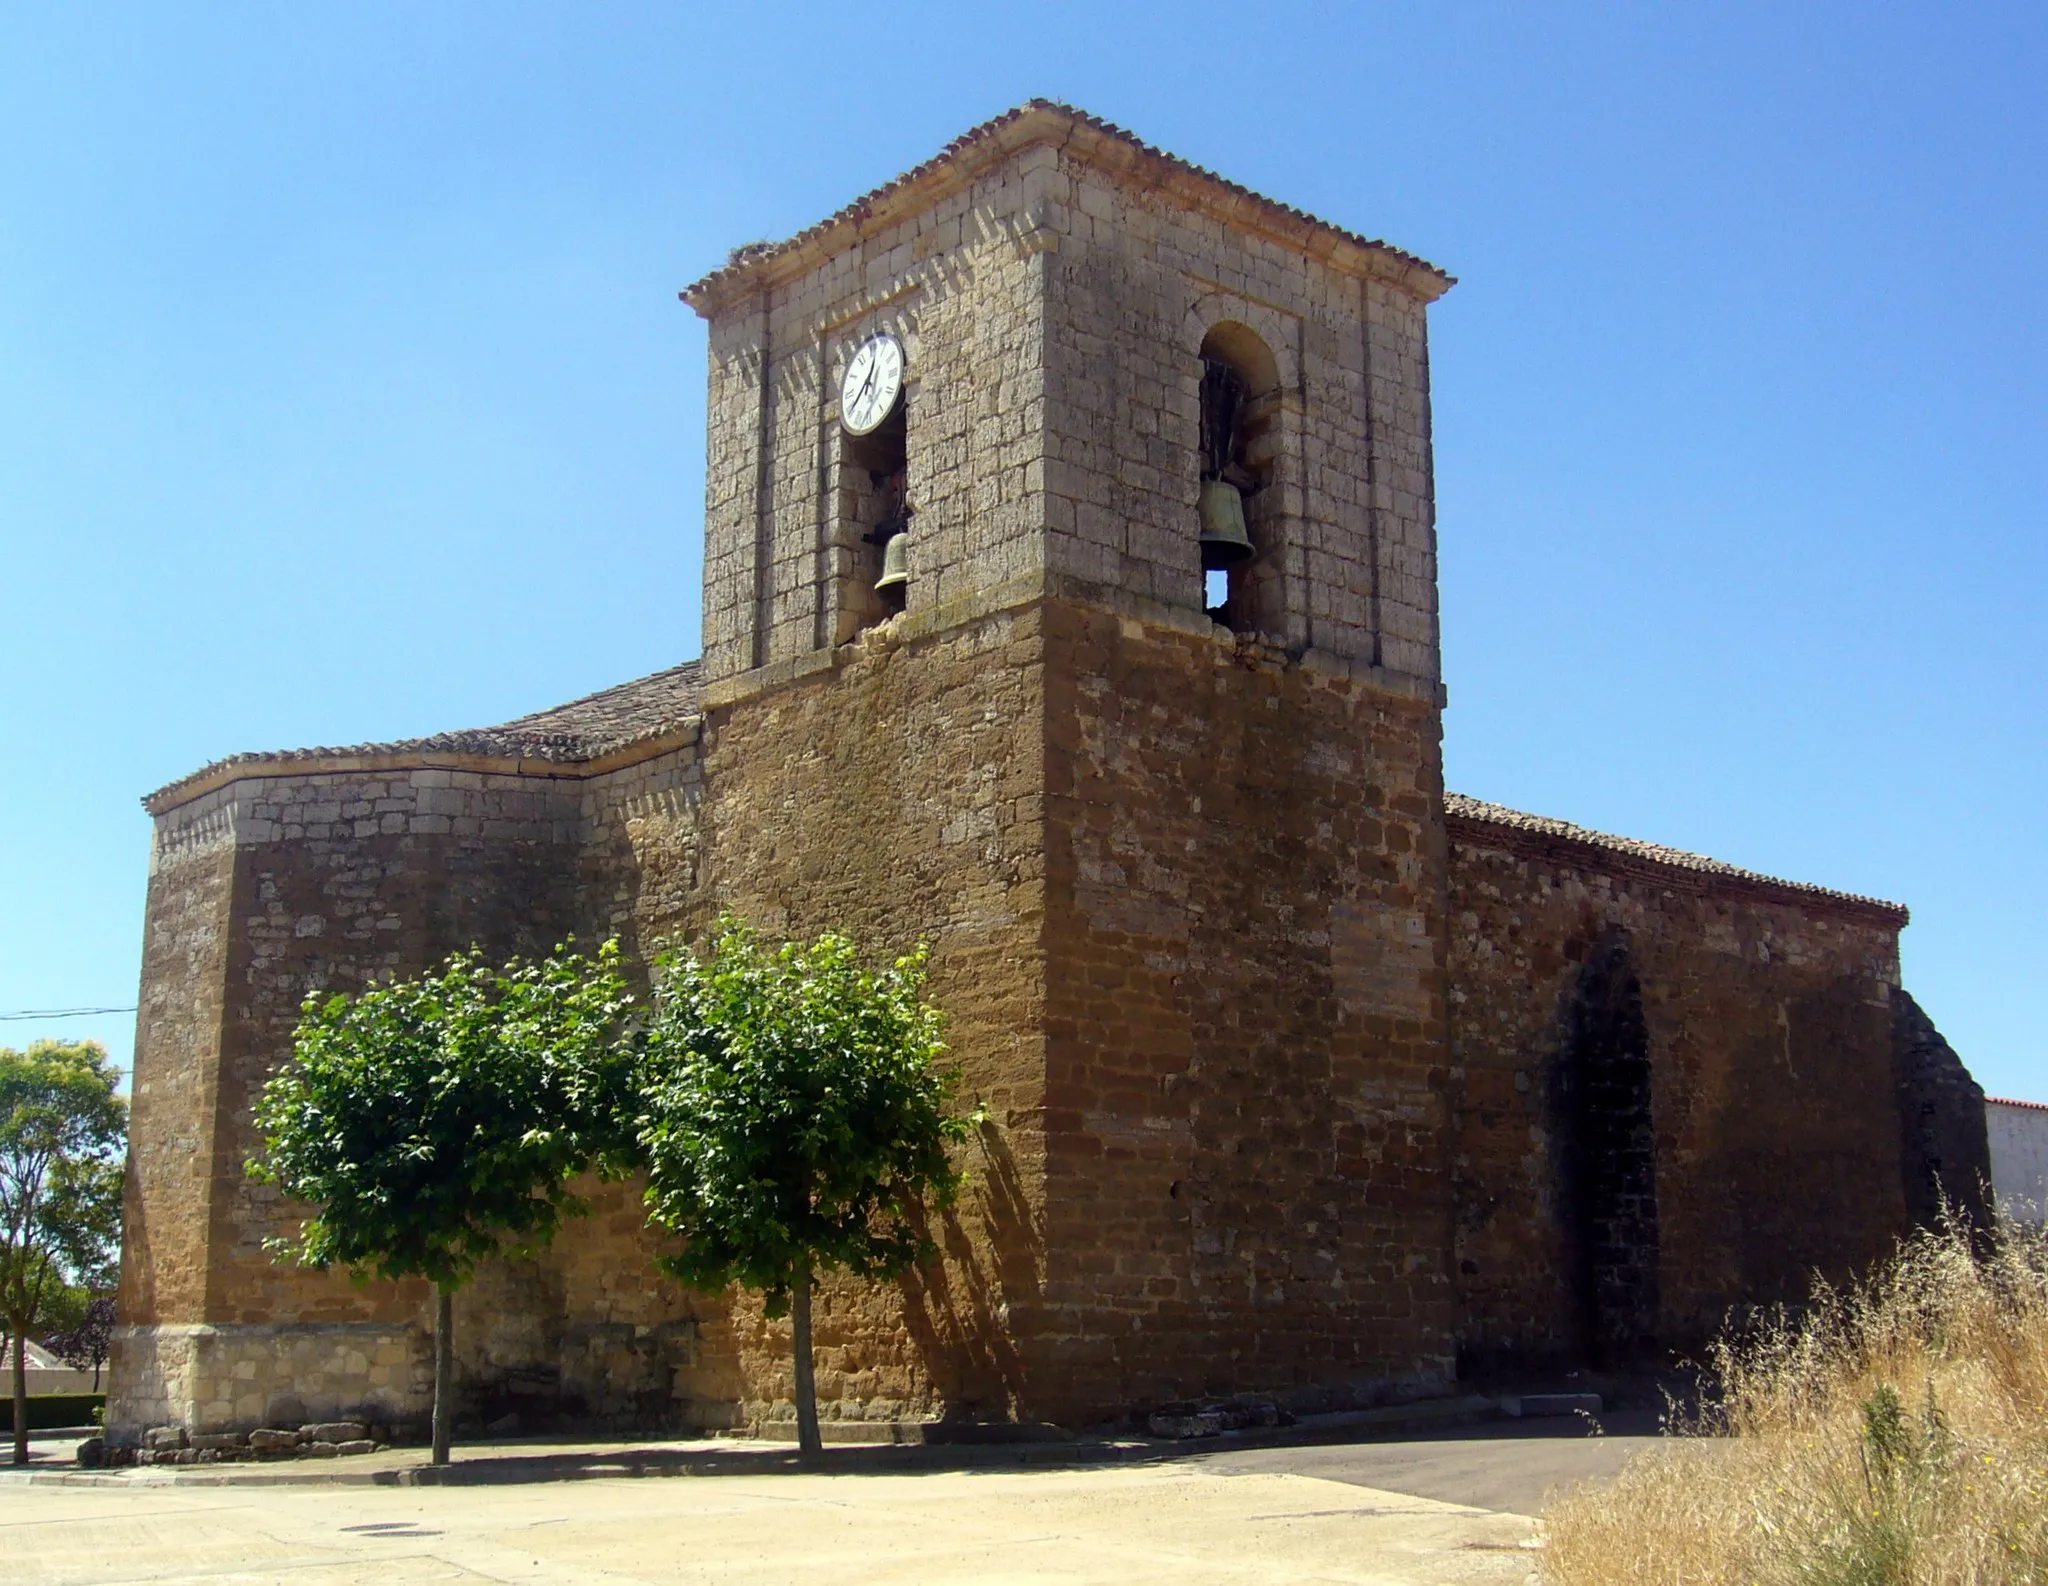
[[1176, 833], [1056, 288]]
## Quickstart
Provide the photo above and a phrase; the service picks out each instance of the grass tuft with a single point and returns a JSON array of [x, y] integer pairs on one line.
[[1892, 1434]]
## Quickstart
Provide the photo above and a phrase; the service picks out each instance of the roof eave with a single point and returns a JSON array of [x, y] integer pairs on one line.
[[397, 757]]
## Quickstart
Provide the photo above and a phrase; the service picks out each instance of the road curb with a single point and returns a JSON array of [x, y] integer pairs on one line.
[[537, 1461]]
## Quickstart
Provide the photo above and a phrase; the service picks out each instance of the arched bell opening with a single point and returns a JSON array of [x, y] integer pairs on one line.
[[1239, 402], [875, 514]]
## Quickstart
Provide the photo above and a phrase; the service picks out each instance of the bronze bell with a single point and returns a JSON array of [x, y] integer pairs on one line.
[[895, 564], [1224, 541]]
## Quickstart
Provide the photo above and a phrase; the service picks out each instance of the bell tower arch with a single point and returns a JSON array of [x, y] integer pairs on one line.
[[1242, 441]]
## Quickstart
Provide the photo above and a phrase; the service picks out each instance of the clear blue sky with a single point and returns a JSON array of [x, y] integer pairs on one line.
[[344, 394]]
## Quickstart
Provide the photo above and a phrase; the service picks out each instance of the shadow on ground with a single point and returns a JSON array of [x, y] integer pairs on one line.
[[1493, 1463], [1496, 1464]]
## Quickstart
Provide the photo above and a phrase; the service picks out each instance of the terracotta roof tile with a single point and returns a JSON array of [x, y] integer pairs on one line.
[[581, 730]]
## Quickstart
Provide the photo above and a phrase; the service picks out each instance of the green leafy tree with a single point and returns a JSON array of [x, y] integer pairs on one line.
[[62, 1133], [793, 1119], [432, 1123]]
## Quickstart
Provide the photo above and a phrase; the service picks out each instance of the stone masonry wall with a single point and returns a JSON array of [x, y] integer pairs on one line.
[[1773, 1112], [188, 925], [898, 796], [1248, 1184], [341, 878], [283, 1374], [275, 887], [895, 795], [960, 285]]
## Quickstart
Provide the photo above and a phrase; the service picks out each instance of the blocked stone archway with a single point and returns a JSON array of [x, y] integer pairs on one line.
[[1607, 1173]]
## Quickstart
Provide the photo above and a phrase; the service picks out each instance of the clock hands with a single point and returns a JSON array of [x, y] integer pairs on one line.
[[859, 402], [874, 374]]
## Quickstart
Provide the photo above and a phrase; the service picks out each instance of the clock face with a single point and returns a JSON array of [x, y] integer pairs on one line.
[[874, 379]]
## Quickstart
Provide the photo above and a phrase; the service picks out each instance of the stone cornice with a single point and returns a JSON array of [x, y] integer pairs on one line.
[[1025, 590], [344, 762]]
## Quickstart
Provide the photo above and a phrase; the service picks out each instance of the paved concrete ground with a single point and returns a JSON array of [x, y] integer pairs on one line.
[[1451, 1508]]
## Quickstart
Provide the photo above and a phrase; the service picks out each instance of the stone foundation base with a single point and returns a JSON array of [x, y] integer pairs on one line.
[[234, 1378], [210, 1379]]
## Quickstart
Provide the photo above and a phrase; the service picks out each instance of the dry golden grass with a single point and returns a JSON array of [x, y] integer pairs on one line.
[[1895, 1435]]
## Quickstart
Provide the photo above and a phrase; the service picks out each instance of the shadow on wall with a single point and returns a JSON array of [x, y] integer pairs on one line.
[[1944, 1144], [956, 1309]]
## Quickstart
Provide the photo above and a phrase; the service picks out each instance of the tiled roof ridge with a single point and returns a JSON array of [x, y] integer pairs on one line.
[[2014, 1101], [747, 259], [683, 672], [578, 730], [1479, 811]]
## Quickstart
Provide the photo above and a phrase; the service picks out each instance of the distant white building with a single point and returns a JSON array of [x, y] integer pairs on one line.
[[46, 1373], [2018, 1132]]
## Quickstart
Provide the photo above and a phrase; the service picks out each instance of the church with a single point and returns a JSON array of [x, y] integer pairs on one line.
[[1070, 603]]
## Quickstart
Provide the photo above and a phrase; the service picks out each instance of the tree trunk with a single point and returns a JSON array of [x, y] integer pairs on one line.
[[444, 1369], [21, 1397], [809, 1443]]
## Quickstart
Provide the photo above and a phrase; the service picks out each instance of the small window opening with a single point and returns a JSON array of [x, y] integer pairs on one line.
[[878, 471], [1227, 546]]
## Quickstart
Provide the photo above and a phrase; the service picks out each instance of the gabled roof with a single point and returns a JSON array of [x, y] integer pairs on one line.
[[574, 734], [1544, 828], [1080, 135]]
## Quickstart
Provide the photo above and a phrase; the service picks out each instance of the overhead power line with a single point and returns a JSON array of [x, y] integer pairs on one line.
[[61, 1013]]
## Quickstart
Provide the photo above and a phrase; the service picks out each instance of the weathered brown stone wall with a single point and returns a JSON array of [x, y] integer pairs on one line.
[[340, 879], [895, 795], [898, 796], [1248, 1182], [1765, 1018]]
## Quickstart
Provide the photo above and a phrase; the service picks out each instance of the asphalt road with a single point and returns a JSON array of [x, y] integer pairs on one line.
[[1500, 1465]]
